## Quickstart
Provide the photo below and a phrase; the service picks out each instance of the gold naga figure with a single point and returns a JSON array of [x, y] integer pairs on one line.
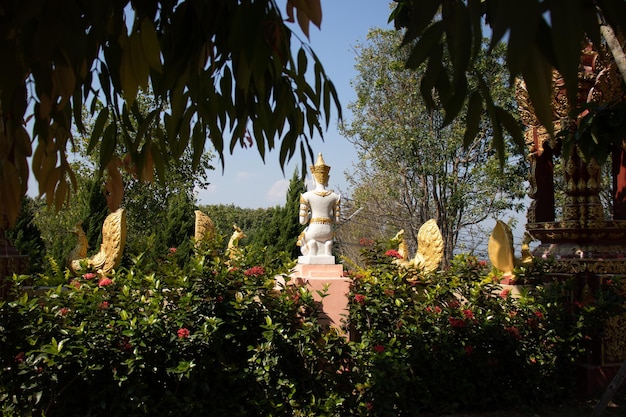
[[429, 248], [111, 250], [204, 228], [501, 251]]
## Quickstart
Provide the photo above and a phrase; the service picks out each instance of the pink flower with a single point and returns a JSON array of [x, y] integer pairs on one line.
[[104, 305], [454, 304], [505, 293], [468, 314], [379, 348], [438, 309], [104, 282], [469, 349], [64, 311], [75, 283], [359, 298], [172, 251], [369, 406], [90, 275], [255, 271], [183, 333], [539, 314], [393, 253], [482, 263]]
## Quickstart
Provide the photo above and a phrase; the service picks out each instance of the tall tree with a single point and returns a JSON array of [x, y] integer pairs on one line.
[[228, 68], [413, 162], [282, 232]]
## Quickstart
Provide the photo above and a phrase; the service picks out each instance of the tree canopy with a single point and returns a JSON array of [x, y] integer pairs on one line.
[[412, 164], [540, 35], [223, 70]]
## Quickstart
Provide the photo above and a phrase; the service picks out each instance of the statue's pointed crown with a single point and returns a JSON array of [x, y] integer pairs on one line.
[[320, 170], [320, 166]]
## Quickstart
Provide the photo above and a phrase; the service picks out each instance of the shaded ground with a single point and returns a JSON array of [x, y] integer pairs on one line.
[[574, 408]]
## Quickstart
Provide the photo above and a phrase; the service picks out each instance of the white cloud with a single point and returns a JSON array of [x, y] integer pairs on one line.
[[277, 192], [243, 176]]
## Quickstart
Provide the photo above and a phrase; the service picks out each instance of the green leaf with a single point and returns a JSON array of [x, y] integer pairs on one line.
[[454, 104], [109, 142], [524, 21], [513, 127], [474, 115], [101, 120], [426, 46], [459, 39], [537, 75], [567, 38]]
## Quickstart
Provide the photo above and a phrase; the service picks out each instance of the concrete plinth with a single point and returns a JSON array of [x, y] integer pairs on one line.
[[316, 278]]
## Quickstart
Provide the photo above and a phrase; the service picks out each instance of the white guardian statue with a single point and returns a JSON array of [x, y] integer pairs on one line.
[[320, 209]]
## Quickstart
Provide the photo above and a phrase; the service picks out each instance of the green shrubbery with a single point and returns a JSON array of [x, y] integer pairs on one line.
[[207, 338]]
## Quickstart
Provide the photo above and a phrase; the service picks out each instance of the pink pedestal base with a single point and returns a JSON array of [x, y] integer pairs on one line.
[[335, 303]]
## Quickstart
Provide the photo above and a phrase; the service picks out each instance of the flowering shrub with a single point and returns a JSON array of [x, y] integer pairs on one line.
[[192, 340], [457, 340], [165, 337]]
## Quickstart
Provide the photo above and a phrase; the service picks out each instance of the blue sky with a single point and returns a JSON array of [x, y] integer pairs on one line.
[[246, 181]]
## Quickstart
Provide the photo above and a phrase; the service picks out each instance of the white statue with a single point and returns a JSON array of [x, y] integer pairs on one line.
[[320, 209]]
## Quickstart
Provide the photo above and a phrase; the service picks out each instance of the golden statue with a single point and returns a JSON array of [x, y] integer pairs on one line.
[[204, 228], [233, 251], [501, 250], [111, 250], [429, 248]]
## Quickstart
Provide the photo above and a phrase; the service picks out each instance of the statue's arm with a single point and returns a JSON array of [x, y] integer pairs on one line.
[[305, 210], [337, 209]]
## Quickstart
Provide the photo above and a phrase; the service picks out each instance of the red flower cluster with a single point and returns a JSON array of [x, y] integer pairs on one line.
[[172, 251], [90, 275], [469, 349], [393, 253], [183, 333], [255, 271], [468, 314], [379, 348], [359, 298], [513, 331], [104, 305], [456, 323], [505, 293], [104, 282]]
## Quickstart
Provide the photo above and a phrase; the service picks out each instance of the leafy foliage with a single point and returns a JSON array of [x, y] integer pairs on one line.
[[228, 70], [540, 35]]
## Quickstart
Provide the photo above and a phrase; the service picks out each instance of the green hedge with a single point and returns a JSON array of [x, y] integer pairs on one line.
[[209, 338]]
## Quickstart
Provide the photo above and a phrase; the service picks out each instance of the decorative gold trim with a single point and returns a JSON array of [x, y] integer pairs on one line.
[[321, 220]]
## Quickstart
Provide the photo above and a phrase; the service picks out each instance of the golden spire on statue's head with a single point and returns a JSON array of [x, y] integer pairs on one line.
[[320, 170]]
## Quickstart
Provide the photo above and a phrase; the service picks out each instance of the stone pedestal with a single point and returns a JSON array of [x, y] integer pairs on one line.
[[316, 260], [316, 277]]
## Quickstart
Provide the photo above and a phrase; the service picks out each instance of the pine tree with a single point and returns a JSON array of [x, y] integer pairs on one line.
[[282, 232]]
